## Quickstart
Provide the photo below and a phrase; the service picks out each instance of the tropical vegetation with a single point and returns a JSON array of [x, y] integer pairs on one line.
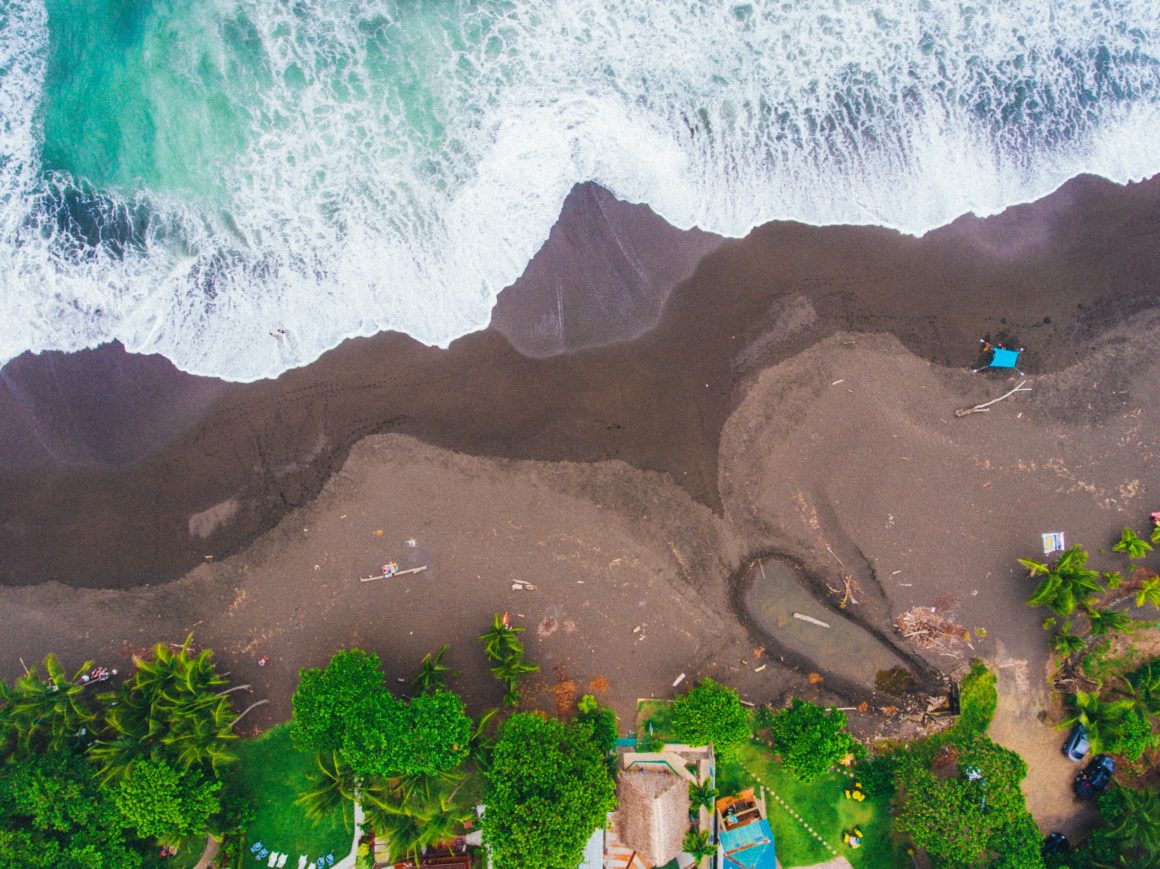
[[710, 714], [96, 773], [809, 739], [547, 788], [503, 647]]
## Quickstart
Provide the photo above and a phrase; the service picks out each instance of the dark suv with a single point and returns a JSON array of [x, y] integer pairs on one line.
[[1094, 780]]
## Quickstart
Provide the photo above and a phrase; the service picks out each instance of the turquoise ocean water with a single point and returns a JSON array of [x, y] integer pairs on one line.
[[189, 175]]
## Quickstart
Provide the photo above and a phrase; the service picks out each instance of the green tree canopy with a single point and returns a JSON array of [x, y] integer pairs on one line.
[[710, 713], [547, 789], [327, 697], [165, 803], [965, 822], [346, 709], [54, 814], [810, 739]]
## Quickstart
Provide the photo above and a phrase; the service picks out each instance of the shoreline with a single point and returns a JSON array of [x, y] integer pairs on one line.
[[1051, 275], [806, 410]]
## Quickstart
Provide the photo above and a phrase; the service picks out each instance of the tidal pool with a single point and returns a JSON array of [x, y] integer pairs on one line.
[[777, 589]]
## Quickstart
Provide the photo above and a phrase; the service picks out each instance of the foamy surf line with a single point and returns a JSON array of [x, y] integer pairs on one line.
[[286, 176]]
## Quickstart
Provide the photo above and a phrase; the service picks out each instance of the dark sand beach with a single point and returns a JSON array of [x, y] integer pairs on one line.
[[791, 393]]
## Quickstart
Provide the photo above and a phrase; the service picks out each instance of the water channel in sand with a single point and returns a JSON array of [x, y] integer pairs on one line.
[[778, 590]]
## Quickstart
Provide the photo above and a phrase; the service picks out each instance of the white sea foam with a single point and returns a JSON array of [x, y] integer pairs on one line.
[[400, 163]]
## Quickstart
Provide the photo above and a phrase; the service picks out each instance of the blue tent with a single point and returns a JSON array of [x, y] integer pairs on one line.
[[1001, 358]]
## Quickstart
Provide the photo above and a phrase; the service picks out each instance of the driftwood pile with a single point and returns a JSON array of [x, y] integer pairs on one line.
[[924, 627]]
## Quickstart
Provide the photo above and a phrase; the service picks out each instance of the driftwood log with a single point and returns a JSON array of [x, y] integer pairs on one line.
[[986, 405]]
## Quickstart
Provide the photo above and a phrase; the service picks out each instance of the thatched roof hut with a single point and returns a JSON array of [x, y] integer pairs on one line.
[[653, 814]]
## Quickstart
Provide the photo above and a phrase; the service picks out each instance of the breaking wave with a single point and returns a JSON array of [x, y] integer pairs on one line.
[[188, 176]]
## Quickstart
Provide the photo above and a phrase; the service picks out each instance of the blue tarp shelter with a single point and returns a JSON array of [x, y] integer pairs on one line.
[[1001, 358]]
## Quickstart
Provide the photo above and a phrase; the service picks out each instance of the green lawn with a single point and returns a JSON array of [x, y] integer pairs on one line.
[[822, 804], [656, 713], [270, 774]]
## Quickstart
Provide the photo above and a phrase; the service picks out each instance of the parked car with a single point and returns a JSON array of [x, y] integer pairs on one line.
[[1076, 746], [1055, 843], [1094, 780]]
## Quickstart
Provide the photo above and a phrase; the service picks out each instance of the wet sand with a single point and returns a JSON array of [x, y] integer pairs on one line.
[[797, 396], [1053, 276]]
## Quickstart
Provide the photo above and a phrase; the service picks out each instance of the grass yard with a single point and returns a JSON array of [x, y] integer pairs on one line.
[[656, 713], [270, 774], [822, 804]]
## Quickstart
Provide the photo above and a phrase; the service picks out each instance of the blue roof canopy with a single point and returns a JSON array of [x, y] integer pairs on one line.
[[749, 846]]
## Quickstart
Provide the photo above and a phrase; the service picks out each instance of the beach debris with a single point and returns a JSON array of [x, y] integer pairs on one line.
[[810, 620], [391, 569], [829, 550], [1053, 542], [679, 680], [985, 407], [815, 678], [762, 667], [379, 532], [636, 630], [849, 586], [523, 585], [412, 542], [924, 627]]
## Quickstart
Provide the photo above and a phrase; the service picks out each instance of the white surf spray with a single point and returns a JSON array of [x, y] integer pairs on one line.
[[333, 169]]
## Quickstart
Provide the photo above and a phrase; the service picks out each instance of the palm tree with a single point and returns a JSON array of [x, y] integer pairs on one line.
[[334, 788], [1066, 644], [1065, 585], [703, 795], [174, 707], [482, 742], [46, 713], [1139, 827], [1144, 686], [1103, 719], [433, 673], [512, 695], [1133, 544], [1149, 592], [502, 640], [1102, 622], [512, 668], [416, 813], [697, 845]]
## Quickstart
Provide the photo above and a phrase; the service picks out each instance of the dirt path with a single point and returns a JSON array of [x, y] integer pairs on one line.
[[1022, 724]]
